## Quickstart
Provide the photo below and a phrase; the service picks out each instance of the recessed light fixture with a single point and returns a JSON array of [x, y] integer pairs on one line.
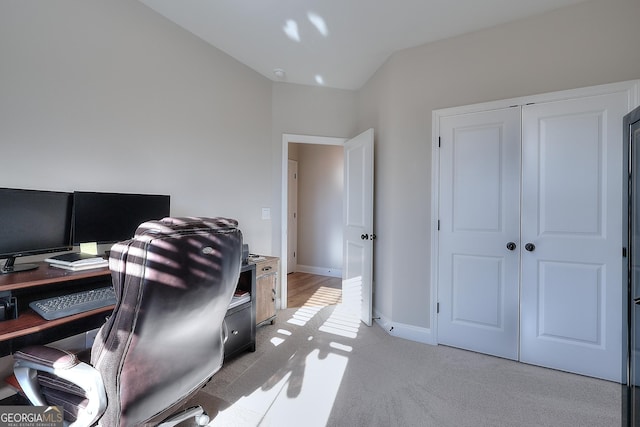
[[279, 73]]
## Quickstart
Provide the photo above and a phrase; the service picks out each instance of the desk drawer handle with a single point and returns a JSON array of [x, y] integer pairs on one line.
[[234, 332], [266, 268]]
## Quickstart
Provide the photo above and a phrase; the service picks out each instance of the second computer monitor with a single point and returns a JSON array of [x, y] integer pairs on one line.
[[114, 217]]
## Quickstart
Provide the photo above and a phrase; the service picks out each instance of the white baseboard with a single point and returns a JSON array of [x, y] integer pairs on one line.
[[408, 332], [323, 271]]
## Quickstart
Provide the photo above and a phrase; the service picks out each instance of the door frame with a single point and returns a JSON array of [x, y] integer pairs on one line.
[[292, 239], [630, 408], [631, 87], [284, 194]]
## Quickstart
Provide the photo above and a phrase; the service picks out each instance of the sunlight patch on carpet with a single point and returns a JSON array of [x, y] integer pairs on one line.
[[276, 341], [343, 322], [303, 315], [341, 347], [306, 387], [309, 385]]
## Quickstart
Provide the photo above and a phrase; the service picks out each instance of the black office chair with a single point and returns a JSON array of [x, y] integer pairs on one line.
[[165, 338]]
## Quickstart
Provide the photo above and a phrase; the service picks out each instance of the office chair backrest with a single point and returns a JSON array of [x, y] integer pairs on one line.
[[174, 281]]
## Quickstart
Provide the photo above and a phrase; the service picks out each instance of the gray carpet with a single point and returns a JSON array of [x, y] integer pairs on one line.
[[321, 367]]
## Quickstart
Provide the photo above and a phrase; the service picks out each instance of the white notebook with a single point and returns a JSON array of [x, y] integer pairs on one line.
[[75, 258]]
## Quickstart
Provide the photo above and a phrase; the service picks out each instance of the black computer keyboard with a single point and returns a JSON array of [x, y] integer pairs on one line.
[[79, 302]]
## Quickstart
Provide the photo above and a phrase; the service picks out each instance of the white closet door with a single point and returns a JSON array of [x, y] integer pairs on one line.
[[571, 301], [479, 215]]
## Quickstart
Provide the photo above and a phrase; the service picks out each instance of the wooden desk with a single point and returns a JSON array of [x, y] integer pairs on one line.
[[29, 328]]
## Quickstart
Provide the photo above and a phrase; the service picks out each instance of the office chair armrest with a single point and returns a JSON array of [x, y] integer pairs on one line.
[[65, 365]]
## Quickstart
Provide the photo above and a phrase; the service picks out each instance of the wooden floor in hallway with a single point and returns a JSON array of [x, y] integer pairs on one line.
[[313, 290]]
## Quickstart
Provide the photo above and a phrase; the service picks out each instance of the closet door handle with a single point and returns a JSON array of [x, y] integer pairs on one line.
[[511, 246], [530, 247]]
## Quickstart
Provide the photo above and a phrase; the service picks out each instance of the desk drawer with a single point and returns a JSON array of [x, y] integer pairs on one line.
[[239, 331], [266, 267]]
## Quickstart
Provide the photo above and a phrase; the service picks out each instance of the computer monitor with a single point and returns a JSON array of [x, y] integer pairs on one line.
[[33, 222], [114, 217]]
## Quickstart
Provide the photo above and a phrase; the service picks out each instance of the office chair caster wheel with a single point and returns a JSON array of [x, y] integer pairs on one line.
[[202, 420]]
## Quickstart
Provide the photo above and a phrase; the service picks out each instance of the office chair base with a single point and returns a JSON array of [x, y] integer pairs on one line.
[[202, 419]]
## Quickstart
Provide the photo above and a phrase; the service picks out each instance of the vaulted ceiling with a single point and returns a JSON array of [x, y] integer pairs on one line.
[[335, 43]]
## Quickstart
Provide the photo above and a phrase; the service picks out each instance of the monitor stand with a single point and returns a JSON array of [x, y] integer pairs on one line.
[[9, 266]]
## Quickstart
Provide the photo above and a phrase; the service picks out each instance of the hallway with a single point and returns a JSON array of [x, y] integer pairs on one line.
[[312, 290]]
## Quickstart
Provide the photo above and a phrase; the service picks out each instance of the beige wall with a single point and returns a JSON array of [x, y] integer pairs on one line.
[[587, 44], [110, 96], [293, 151], [320, 192]]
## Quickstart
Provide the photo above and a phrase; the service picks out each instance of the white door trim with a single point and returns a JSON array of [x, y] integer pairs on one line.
[[632, 87], [292, 215], [284, 192]]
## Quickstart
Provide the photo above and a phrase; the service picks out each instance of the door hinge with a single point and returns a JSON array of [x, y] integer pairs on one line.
[[438, 225], [437, 308], [439, 141], [624, 252]]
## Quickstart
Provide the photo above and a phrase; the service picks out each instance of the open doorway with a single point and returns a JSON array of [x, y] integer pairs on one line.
[[315, 225], [318, 251]]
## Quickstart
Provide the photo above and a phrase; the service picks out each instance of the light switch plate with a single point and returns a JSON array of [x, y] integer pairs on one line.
[[266, 213]]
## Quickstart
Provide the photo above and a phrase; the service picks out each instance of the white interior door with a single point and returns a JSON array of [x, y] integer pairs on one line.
[[479, 218], [571, 302], [357, 270], [292, 217]]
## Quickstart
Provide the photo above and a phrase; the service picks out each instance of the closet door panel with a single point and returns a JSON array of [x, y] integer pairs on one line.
[[572, 221], [479, 215]]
